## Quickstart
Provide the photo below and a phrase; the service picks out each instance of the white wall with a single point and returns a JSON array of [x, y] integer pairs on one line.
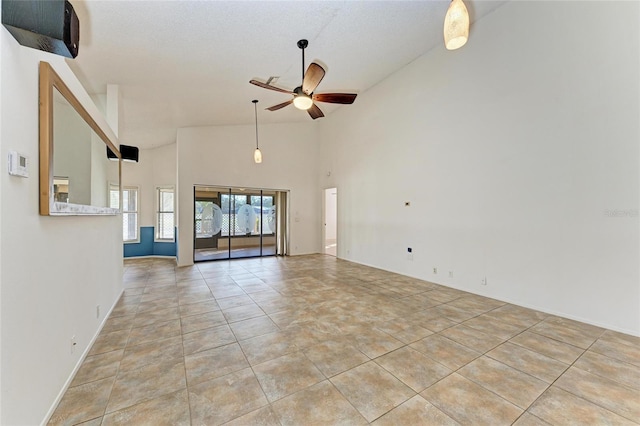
[[53, 270], [156, 167], [511, 151], [223, 156]]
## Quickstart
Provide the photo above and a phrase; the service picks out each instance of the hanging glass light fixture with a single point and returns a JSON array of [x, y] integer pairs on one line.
[[257, 155], [456, 25]]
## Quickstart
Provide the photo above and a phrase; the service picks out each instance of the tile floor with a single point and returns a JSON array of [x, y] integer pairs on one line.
[[313, 340]]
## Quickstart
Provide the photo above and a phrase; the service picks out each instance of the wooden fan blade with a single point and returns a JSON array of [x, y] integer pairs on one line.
[[282, 105], [268, 86], [335, 98], [315, 112], [313, 77]]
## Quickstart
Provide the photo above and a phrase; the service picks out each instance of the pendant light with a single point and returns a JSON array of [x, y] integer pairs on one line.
[[456, 25], [257, 155]]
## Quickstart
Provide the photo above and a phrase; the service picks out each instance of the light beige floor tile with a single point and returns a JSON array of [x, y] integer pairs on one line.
[[480, 407], [332, 357], [416, 411], [328, 308], [167, 410], [225, 398], [453, 313], [213, 363], [610, 368], [156, 304], [98, 367], [208, 338], [447, 352], [201, 321], [588, 329], [320, 404], [559, 407], [268, 346], [152, 352], [527, 419], [579, 338], [148, 382], [95, 422], [235, 301], [547, 346], [108, 342], [402, 330], [159, 315], [253, 327], [243, 312], [617, 349], [285, 375], [196, 297], [437, 324], [494, 327], [472, 338], [118, 323], [374, 343], [82, 403], [528, 361], [515, 386], [372, 390], [155, 331], [614, 336], [413, 368], [264, 416], [198, 308], [611, 395], [226, 291]]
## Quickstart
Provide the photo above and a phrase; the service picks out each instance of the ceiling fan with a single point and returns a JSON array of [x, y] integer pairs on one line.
[[303, 96]]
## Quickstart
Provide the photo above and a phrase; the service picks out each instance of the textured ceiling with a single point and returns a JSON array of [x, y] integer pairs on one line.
[[188, 63]]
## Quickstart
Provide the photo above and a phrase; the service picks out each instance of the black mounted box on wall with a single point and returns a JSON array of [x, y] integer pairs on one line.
[[52, 25], [128, 153]]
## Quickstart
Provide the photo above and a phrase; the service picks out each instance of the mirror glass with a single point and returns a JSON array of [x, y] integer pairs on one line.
[[76, 177]]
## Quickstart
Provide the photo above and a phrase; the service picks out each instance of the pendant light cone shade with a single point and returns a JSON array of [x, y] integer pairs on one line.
[[456, 25], [257, 155]]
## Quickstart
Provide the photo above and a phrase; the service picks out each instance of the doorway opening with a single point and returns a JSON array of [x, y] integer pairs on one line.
[[331, 221], [233, 223]]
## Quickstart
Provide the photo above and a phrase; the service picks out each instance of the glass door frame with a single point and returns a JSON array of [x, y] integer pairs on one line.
[[273, 216]]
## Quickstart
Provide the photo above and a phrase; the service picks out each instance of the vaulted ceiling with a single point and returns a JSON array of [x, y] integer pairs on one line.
[[188, 63]]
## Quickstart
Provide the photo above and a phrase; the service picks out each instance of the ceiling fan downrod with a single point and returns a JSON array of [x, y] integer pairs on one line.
[[302, 44]]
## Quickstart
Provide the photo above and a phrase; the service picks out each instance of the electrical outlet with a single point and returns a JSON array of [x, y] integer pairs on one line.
[[73, 343], [450, 274], [484, 281], [97, 311], [435, 271]]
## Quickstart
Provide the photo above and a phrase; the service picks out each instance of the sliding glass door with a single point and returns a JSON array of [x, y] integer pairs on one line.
[[231, 223]]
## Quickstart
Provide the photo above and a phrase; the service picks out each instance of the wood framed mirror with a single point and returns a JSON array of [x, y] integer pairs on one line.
[[76, 177]]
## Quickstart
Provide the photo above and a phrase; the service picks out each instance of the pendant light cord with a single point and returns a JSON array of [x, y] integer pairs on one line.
[[255, 107]]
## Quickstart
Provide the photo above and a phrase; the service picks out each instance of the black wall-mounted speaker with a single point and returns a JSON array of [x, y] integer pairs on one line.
[[51, 25], [129, 153]]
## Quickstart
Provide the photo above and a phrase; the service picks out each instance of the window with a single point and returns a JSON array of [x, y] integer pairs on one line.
[[114, 196], [165, 230], [130, 214]]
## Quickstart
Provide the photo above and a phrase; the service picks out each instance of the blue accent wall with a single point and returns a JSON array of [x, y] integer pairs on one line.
[[148, 247]]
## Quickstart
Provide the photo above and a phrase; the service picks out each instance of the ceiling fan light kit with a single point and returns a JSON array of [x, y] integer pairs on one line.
[[301, 100], [304, 97], [456, 25]]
